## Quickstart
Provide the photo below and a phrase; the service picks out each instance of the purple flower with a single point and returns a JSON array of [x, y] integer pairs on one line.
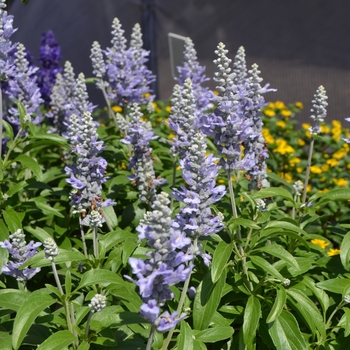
[[167, 321], [50, 56], [19, 252]]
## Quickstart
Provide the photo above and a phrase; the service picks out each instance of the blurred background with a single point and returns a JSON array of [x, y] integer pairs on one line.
[[297, 44]]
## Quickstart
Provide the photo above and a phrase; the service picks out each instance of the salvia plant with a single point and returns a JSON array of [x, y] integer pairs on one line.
[[215, 222]]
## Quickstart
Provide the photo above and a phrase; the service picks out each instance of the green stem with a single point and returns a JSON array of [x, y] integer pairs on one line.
[[95, 242], [13, 145], [341, 304], [110, 111], [59, 286], [308, 170], [87, 329], [83, 237], [151, 337]]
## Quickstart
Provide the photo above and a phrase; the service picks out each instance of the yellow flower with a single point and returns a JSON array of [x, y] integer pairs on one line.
[[299, 105], [178, 167], [279, 105], [286, 113], [333, 252], [294, 161], [340, 154], [283, 147], [315, 169], [288, 177], [267, 136], [146, 95], [117, 109], [281, 124], [269, 112], [301, 142], [323, 191], [332, 162], [300, 170], [336, 130], [271, 105], [168, 109], [123, 166], [308, 189], [221, 181], [216, 92], [325, 167], [340, 182], [305, 126], [325, 129], [320, 242], [171, 136]]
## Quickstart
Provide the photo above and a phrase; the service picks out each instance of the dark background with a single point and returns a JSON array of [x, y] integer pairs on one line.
[[297, 44]]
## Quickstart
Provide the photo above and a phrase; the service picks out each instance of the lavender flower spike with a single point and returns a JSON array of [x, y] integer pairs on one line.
[[165, 265], [20, 252], [318, 110]]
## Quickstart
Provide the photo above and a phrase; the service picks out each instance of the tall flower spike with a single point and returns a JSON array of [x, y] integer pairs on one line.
[[191, 69], [23, 86], [98, 303], [6, 30], [139, 136], [318, 110], [50, 249], [165, 265], [118, 40], [50, 56], [240, 67], [19, 252]]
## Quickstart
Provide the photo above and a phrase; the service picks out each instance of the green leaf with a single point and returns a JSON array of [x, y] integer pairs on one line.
[[243, 223], [273, 192], [252, 314], [128, 247], [221, 256], [59, 140], [338, 194], [212, 335], [185, 339], [31, 164], [97, 276], [207, 300], [16, 188], [84, 346], [35, 303], [38, 233], [47, 209], [278, 305], [111, 217], [285, 333], [312, 316], [279, 252], [12, 299], [57, 341], [320, 294], [12, 220], [335, 285], [8, 129], [345, 321], [285, 226], [345, 252], [266, 266]]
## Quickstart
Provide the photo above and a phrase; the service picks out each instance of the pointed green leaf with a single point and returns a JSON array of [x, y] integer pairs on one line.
[[38, 232], [266, 266], [57, 341], [128, 247], [12, 220], [16, 188], [97, 276], [221, 256], [279, 252], [212, 335], [285, 225], [54, 138], [345, 252], [312, 316], [111, 217], [8, 128], [273, 192], [285, 333], [12, 299], [320, 294], [207, 300], [278, 305], [185, 339], [31, 164], [35, 303], [244, 223], [335, 285], [345, 321], [252, 314], [338, 194], [47, 209]]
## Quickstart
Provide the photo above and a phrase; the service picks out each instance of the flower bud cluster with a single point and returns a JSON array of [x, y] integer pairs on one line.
[[50, 249], [123, 71], [166, 263], [139, 135], [87, 174], [98, 303], [19, 252], [318, 110]]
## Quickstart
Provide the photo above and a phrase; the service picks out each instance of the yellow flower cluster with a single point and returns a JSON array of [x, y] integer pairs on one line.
[[324, 244], [336, 130], [283, 147], [279, 107]]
